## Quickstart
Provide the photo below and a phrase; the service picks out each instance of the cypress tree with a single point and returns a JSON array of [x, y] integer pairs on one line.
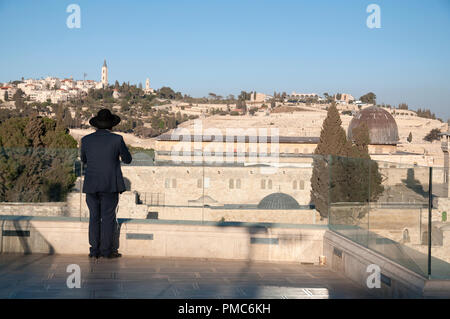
[[342, 169], [362, 181], [409, 139], [333, 141]]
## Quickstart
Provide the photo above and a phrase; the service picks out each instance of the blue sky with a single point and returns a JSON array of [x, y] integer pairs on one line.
[[202, 46]]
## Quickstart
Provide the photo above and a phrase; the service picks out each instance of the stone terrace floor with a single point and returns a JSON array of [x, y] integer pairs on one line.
[[44, 276]]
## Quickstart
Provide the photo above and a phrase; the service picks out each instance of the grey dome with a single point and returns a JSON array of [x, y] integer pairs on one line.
[[278, 201], [382, 126]]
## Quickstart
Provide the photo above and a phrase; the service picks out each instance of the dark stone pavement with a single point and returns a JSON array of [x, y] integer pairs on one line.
[[45, 276]]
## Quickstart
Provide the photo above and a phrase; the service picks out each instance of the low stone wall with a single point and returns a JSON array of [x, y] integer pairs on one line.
[[152, 238], [34, 209], [74, 206]]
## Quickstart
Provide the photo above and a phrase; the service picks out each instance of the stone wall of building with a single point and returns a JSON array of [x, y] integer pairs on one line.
[[187, 185], [182, 185]]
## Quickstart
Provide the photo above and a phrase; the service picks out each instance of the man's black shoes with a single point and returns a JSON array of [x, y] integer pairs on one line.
[[113, 255], [110, 256]]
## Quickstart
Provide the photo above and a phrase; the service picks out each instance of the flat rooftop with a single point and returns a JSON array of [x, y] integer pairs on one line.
[[44, 276]]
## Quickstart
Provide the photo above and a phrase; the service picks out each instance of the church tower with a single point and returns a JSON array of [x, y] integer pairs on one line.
[[104, 75], [148, 89]]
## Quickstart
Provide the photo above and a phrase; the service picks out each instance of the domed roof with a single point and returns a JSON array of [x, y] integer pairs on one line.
[[382, 126], [278, 201]]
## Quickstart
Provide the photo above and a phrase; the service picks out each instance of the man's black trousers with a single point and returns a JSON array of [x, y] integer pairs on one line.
[[103, 226]]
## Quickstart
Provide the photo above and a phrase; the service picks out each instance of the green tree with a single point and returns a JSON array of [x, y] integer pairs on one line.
[[426, 113], [244, 96], [369, 98], [403, 106], [36, 160], [332, 141], [433, 135], [18, 95], [124, 106], [166, 93], [359, 178], [272, 104], [253, 110], [409, 139], [341, 167]]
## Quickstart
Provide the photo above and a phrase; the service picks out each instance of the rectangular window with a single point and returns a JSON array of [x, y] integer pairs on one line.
[[294, 184], [238, 183], [231, 184], [174, 183], [270, 184], [263, 184], [199, 183], [167, 183], [302, 185]]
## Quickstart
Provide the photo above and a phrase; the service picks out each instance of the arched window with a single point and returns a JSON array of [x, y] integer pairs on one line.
[[302, 185]]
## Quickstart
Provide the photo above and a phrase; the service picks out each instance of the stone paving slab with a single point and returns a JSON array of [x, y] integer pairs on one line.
[[44, 276]]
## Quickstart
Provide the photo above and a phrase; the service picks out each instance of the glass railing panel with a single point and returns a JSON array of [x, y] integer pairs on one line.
[[440, 226], [382, 206], [397, 217], [379, 205]]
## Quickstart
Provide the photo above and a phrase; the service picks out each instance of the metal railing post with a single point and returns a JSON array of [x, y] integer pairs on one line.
[[430, 207], [81, 186]]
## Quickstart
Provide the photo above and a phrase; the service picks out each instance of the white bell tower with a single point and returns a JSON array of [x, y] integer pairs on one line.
[[148, 89], [104, 75]]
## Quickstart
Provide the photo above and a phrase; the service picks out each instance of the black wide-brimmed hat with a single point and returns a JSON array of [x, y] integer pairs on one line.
[[104, 119]]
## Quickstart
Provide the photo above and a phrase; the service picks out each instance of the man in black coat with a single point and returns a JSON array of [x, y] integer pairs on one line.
[[103, 181]]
